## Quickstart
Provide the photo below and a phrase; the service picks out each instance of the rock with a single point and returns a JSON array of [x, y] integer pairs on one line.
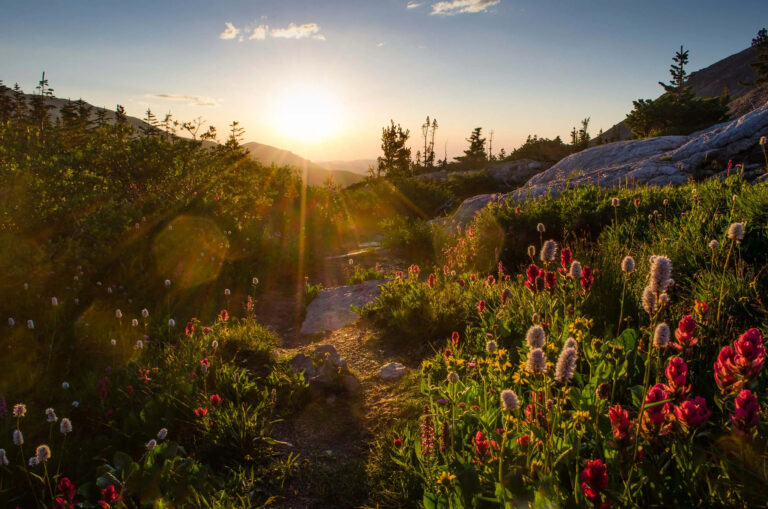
[[466, 211], [331, 310], [301, 362], [657, 161], [516, 173], [392, 371], [330, 350], [351, 384]]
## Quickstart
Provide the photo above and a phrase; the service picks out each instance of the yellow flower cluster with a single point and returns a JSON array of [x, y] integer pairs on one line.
[[580, 328], [445, 478]]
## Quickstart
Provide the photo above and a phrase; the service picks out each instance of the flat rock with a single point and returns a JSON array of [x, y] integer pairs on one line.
[[467, 211], [331, 310], [392, 371]]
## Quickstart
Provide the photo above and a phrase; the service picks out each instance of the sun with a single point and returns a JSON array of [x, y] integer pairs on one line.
[[306, 113]]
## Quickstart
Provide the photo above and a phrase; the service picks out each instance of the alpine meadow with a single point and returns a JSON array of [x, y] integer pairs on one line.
[[383, 254]]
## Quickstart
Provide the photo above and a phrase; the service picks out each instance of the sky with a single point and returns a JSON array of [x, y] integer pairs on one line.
[[322, 77]]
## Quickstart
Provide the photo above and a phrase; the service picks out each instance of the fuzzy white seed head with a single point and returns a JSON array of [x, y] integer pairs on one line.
[[167, 283], [75, 404], [614, 202], [664, 299], [736, 232], [65, 385], [227, 292], [713, 244], [144, 313], [54, 301], [509, 400], [3, 458], [661, 272], [453, 377], [118, 314], [628, 265], [18, 437], [571, 343], [65, 426], [50, 415], [162, 434], [151, 444], [139, 344], [491, 346], [649, 300], [113, 342], [535, 337], [171, 323], [531, 250], [214, 344], [537, 361], [30, 324], [19, 410], [255, 281], [661, 335], [566, 364], [11, 322], [32, 462], [549, 251], [540, 228], [134, 323], [575, 270], [43, 453]]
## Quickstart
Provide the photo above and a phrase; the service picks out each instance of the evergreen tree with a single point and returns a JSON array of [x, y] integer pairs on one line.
[[475, 156], [20, 106], [760, 66], [6, 103], [149, 127], [396, 162], [236, 134], [677, 87], [677, 111], [40, 106]]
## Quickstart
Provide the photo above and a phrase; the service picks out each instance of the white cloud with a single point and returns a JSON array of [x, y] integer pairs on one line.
[[259, 33], [381, 44], [230, 32], [449, 8], [297, 32], [413, 5], [192, 100]]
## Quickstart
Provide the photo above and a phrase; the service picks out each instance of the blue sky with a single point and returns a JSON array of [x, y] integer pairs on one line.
[[343, 68]]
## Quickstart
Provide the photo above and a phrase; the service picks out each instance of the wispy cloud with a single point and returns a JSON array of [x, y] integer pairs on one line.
[[262, 32], [413, 5], [292, 31], [192, 100], [381, 44], [230, 32], [449, 8], [259, 33]]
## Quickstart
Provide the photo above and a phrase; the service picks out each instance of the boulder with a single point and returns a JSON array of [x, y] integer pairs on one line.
[[657, 161], [351, 384], [392, 371], [301, 362], [331, 310], [329, 350], [516, 173], [467, 211]]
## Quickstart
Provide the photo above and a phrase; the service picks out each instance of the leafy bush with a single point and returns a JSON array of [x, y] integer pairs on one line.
[[666, 116]]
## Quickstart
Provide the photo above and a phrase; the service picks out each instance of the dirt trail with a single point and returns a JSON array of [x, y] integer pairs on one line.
[[332, 434]]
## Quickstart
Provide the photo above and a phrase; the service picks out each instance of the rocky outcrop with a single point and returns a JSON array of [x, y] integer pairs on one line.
[[508, 173], [657, 161], [331, 310], [392, 371], [466, 211]]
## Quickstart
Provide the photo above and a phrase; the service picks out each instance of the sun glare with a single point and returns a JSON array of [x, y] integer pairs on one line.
[[306, 113]]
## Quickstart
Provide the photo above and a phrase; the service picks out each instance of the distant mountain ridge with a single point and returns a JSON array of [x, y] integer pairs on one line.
[[315, 174], [710, 81], [342, 173]]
